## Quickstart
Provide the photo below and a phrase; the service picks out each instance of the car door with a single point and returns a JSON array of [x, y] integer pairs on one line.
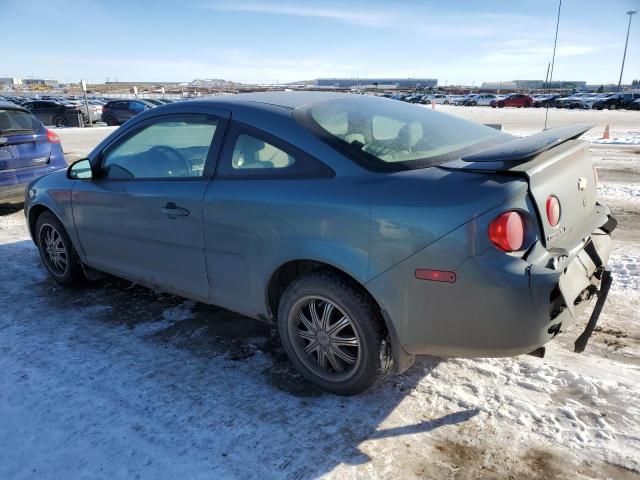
[[141, 215], [249, 206], [134, 109], [34, 107], [49, 110]]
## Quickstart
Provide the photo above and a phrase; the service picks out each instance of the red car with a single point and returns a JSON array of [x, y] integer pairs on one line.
[[513, 100]]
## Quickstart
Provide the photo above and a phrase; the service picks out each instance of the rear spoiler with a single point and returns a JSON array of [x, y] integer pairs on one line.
[[522, 149]]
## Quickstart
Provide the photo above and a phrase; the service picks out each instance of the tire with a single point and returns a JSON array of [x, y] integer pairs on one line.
[[60, 121], [473, 104], [501, 105], [446, 102], [612, 106], [364, 355], [57, 251], [111, 121]]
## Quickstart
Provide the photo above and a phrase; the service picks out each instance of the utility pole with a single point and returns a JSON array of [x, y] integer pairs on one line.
[[624, 55]]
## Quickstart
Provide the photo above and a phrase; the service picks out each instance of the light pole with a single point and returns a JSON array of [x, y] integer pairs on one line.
[[624, 55]]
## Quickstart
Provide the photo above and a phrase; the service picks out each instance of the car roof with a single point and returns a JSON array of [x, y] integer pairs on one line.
[[12, 106], [288, 100]]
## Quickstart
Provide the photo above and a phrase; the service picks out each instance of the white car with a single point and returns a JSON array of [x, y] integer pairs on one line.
[[484, 99], [440, 98], [589, 99]]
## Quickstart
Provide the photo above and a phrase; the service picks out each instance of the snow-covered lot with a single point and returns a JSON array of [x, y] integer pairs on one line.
[[116, 381]]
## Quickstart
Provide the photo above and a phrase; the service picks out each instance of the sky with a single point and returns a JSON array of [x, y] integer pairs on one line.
[[272, 41]]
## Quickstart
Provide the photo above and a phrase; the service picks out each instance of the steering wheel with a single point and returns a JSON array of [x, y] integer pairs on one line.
[[167, 160]]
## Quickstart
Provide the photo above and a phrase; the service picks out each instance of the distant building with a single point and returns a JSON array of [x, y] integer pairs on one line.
[[534, 85], [381, 83], [34, 81], [499, 86], [10, 81]]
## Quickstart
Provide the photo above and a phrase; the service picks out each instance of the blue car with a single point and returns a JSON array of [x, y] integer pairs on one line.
[[27, 151]]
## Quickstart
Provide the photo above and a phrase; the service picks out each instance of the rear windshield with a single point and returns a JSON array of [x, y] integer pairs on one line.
[[13, 122], [389, 135]]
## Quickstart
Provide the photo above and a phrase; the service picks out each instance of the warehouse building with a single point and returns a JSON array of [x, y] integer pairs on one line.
[[381, 83]]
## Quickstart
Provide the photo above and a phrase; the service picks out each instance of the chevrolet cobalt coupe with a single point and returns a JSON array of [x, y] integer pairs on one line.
[[369, 230]]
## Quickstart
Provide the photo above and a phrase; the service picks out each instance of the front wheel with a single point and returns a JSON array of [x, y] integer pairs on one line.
[[57, 252], [333, 334]]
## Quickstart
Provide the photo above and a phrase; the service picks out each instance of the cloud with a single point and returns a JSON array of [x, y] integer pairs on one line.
[[362, 17]]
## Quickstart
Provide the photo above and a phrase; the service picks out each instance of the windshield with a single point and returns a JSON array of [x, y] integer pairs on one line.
[[385, 135], [16, 121]]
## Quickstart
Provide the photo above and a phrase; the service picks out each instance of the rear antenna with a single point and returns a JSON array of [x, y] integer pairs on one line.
[[553, 60]]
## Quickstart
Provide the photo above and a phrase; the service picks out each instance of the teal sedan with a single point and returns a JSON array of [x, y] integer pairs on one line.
[[369, 230]]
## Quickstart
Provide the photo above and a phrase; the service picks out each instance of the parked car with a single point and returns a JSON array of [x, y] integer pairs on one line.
[[93, 113], [615, 101], [587, 101], [569, 100], [462, 99], [545, 100], [635, 105], [482, 99], [154, 101], [439, 98], [513, 100], [27, 151], [54, 113], [368, 230], [117, 112]]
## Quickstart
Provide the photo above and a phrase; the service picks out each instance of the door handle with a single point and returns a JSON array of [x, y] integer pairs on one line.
[[173, 211]]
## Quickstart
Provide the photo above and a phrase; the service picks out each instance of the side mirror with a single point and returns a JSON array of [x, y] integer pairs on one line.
[[80, 170]]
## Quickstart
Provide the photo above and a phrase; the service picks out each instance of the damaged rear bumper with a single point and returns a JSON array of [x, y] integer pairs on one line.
[[576, 279]]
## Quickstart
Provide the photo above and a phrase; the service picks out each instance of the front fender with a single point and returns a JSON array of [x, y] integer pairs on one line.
[[52, 192]]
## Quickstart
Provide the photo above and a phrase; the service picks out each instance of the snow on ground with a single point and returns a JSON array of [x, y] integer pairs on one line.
[[116, 381], [626, 267], [620, 191], [621, 138]]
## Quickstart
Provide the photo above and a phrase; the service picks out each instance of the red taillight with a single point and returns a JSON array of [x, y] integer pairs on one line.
[[553, 210], [507, 231], [52, 137]]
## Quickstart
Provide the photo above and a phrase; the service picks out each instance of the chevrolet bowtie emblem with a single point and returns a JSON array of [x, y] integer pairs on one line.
[[582, 183]]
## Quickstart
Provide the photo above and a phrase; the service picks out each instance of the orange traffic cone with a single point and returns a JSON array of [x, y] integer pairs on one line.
[[605, 135]]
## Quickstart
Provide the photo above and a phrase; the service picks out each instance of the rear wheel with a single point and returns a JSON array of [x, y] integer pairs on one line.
[[57, 252], [333, 334], [60, 121], [612, 107], [111, 121]]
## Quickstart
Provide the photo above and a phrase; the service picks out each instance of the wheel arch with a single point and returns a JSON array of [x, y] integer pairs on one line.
[[289, 271], [34, 213]]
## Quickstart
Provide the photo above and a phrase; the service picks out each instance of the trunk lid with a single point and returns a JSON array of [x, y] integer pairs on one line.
[[23, 151], [554, 164], [23, 140]]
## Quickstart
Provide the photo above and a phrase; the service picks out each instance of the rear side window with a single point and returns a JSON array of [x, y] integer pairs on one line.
[[251, 152], [14, 122]]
